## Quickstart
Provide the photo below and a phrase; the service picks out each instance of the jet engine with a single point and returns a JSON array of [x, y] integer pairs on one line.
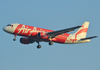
[[26, 41]]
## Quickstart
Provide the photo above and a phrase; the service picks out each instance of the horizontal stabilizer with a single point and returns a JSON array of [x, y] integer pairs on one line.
[[89, 38]]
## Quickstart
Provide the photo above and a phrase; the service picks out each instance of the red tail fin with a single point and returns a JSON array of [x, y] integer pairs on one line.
[[81, 33]]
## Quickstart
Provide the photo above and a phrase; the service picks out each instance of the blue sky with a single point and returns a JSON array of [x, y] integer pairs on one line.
[[55, 15]]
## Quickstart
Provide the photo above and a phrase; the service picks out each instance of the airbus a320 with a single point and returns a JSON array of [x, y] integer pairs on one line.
[[33, 34]]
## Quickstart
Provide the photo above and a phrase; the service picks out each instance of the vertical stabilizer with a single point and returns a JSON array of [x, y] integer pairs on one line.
[[82, 31]]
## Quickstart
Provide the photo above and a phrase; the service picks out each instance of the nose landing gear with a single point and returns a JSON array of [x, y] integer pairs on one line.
[[15, 37]]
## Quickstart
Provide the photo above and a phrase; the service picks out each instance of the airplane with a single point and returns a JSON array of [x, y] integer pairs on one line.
[[35, 34]]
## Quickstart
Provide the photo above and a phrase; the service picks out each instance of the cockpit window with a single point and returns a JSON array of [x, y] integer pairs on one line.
[[10, 25]]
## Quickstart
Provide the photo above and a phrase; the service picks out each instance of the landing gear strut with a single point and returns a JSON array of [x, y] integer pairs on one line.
[[50, 41], [39, 46], [15, 37]]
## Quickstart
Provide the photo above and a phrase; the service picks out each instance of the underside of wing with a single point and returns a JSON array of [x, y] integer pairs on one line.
[[55, 33]]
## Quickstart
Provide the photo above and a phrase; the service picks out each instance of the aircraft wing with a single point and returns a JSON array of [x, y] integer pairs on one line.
[[55, 33]]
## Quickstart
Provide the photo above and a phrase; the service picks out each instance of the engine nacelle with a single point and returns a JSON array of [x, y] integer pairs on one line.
[[25, 41]]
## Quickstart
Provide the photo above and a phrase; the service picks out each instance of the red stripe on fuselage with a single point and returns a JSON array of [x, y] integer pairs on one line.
[[30, 31], [62, 38]]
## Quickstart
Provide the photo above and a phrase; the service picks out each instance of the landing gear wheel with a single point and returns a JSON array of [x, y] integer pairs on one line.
[[50, 43], [14, 39], [39, 46]]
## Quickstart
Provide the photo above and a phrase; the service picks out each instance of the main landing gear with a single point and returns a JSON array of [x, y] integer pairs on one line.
[[15, 37], [39, 46], [50, 43]]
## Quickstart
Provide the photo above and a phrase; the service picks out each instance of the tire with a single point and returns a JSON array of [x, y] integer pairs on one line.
[[39, 46], [50, 43]]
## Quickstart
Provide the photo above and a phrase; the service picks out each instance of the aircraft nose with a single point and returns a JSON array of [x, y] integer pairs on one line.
[[5, 28], [8, 29]]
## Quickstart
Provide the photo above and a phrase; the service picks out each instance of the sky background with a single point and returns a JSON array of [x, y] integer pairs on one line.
[[54, 15]]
